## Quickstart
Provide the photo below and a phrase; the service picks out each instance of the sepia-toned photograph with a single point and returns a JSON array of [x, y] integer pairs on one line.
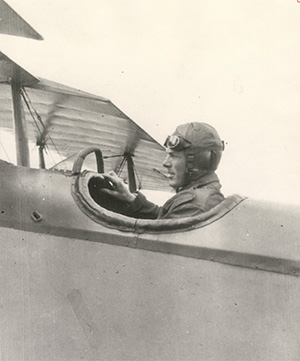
[[149, 202]]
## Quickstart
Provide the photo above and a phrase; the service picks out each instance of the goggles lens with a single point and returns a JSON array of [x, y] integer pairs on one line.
[[176, 143]]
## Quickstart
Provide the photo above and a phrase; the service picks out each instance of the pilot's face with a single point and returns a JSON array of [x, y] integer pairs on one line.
[[176, 164]]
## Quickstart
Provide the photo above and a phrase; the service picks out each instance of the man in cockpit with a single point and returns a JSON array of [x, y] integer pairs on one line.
[[193, 154]]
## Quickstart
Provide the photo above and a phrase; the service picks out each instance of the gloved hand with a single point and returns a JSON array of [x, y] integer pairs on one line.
[[118, 188]]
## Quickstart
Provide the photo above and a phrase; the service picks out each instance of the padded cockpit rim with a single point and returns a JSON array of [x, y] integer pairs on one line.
[[81, 195]]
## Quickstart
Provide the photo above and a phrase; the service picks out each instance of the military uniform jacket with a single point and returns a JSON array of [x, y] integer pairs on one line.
[[197, 198]]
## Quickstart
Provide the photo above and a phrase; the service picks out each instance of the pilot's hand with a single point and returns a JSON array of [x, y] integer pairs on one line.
[[118, 188]]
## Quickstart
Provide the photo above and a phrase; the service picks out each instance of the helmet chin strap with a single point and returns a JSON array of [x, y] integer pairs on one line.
[[190, 178], [197, 174]]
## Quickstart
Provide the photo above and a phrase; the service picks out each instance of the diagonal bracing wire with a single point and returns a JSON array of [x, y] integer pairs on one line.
[[34, 114]]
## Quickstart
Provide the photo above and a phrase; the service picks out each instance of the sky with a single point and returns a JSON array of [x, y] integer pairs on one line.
[[233, 64]]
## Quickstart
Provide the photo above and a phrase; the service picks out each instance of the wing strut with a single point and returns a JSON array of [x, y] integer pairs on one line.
[[42, 163], [41, 139], [20, 128], [131, 174]]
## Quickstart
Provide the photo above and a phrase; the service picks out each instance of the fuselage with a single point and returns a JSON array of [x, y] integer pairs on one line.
[[77, 288]]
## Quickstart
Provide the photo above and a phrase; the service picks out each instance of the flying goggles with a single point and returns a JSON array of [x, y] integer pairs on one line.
[[176, 143]]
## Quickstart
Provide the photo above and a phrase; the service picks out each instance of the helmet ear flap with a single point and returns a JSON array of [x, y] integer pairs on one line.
[[215, 157], [201, 162], [198, 162], [205, 160]]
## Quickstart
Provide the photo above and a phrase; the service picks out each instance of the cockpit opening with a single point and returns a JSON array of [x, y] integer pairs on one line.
[[112, 213]]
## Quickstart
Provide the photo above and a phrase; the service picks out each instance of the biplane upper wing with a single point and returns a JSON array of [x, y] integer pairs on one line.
[[12, 24], [69, 120]]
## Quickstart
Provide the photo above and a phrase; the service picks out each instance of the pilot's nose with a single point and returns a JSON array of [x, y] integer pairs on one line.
[[166, 162]]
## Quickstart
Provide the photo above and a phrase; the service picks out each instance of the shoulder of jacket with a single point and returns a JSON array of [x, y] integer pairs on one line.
[[185, 196]]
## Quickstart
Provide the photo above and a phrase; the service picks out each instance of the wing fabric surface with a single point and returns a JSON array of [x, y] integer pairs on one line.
[[12, 24], [74, 120], [9, 70]]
